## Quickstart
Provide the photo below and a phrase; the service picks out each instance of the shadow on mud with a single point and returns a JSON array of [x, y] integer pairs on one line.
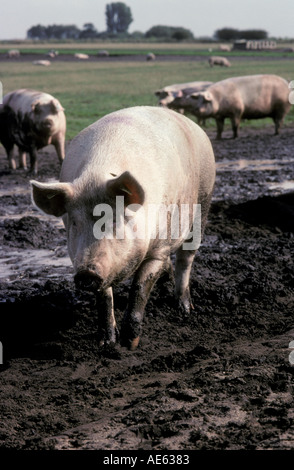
[[277, 211], [35, 316]]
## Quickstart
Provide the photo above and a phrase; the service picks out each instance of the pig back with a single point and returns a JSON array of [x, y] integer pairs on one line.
[[166, 152], [253, 95], [21, 100]]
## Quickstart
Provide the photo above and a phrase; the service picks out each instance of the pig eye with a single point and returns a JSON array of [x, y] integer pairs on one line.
[[37, 109]]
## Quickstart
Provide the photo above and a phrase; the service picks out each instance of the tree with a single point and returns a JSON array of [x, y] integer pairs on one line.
[[181, 34], [37, 32], [54, 31], [169, 32], [226, 34], [89, 31], [159, 31], [231, 34], [118, 17], [253, 34]]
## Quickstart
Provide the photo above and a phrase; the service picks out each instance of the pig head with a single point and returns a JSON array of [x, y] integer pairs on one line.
[[115, 170]]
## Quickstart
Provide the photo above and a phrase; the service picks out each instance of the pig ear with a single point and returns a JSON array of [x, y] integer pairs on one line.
[[35, 106], [194, 96], [207, 96], [51, 198], [126, 185], [56, 106]]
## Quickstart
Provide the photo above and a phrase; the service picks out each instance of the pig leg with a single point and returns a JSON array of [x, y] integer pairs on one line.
[[236, 120], [11, 159], [59, 147], [144, 280], [10, 155], [278, 122], [220, 127], [33, 161], [107, 330], [22, 159], [185, 258], [184, 261]]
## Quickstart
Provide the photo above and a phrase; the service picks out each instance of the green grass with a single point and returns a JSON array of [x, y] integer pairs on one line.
[[89, 90]]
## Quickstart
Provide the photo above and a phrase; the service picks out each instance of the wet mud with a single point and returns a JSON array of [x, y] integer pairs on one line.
[[218, 379]]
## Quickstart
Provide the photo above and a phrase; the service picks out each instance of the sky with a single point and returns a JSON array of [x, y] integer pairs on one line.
[[202, 17]]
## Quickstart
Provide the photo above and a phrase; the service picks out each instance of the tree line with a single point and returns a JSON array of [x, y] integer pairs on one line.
[[232, 34], [118, 19]]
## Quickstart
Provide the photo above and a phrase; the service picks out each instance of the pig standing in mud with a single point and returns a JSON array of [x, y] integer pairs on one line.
[[248, 97], [31, 120], [146, 158]]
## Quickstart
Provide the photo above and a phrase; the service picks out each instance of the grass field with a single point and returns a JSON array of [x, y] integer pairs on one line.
[[133, 48], [90, 90]]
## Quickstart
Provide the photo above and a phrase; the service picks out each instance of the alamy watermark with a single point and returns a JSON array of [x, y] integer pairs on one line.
[[291, 355], [152, 221], [291, 94]]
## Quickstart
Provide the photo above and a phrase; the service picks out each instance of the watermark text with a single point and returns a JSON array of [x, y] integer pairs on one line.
[[152, 221], [291, 94]]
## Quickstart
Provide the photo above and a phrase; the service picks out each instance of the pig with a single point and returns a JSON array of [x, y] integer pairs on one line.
[[150, 157], [81, 56], [150, 56], [247, 97], [44, 63], [103, 53], [224, 47], [174, 96], [31, 120], [52, 53], [222, 61], [13, 53]]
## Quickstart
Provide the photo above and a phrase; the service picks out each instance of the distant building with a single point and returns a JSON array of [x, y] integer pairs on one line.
[[254, 45]]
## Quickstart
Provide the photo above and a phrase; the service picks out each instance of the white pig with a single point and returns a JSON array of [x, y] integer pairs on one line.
[[151, 159], [31, 120], [247, 97]]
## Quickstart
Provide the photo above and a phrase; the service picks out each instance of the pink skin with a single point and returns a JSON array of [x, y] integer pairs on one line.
[[248, 97], [31, 120], [148, 155]]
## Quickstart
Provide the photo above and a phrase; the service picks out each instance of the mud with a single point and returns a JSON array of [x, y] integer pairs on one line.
[[159, 57], [218, 379]]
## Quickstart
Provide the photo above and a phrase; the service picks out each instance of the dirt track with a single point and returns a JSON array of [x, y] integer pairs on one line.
[[219, 379], [159, 57]]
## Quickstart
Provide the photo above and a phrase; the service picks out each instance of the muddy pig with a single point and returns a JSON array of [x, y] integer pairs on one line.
[[117, 180], [248, 97], [31, 120]]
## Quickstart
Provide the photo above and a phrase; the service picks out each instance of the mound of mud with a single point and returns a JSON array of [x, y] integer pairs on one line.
[[271, 211], [29, 231]]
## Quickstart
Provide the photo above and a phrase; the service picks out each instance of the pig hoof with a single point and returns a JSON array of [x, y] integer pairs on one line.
[[131, 344], [134, 343], [110, 340], [185, 306]]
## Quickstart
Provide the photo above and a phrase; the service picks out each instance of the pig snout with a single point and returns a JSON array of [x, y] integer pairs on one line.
[[88, 279], [47, 123]]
